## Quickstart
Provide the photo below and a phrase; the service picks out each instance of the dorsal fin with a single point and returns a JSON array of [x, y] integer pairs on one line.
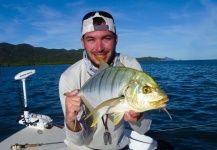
[[119, 64], [103, 65]]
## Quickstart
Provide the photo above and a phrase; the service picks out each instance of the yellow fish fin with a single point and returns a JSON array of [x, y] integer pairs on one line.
[[117, 117], [103, 65], [119, 64], [96, 118], [110, 102]]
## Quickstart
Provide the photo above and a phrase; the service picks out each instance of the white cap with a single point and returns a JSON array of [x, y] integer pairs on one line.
[[88, 26]]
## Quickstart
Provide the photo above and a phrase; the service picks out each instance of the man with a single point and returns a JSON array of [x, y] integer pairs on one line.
[[99, 38]]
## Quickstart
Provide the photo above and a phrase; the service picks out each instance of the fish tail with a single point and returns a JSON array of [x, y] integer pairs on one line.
[[96, 118]]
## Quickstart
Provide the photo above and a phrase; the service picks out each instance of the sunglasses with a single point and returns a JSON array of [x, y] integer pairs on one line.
[[101, 13]]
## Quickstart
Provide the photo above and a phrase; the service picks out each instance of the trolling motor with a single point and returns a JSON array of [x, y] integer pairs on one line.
[[31, 119]]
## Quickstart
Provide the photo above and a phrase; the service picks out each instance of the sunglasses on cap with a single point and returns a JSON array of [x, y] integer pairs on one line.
[[101, 13], [88, 24]]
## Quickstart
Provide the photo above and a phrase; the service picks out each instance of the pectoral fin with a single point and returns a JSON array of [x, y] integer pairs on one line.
[[110, 102], [118, 117]]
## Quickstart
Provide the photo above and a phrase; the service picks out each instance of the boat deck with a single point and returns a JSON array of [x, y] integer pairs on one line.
[[47, 139], [53, 139]]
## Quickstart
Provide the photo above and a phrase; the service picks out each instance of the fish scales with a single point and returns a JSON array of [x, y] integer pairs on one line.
[[107, 84], [112, 80], [118, 90]]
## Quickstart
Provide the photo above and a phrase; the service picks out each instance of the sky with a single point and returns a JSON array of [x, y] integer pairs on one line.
[[179, 29]]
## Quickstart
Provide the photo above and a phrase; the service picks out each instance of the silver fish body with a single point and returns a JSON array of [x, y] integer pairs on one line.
[[118, 90]]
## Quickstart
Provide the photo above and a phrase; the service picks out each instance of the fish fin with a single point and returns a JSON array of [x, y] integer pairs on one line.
[[110, 102], [117, 117], [96, 116], [119, 64], [103, 65]]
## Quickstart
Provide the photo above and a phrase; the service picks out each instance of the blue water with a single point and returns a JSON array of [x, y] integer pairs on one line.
[[190, 85]]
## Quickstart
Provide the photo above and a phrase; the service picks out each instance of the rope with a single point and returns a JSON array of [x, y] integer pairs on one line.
[[185, 127]]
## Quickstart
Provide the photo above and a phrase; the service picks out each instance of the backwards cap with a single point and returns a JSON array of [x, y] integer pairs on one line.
[[88, 26]]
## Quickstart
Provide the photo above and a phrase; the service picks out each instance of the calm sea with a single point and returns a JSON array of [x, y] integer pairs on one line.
[[190, 85]]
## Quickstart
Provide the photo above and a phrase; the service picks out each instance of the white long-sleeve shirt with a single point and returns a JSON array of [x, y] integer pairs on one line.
[[92, 137]]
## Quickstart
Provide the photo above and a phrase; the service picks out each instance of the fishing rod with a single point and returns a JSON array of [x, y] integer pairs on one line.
[[185, 127], [20, 146]]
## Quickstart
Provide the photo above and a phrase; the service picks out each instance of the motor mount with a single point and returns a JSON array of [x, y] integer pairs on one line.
[[31, 119]]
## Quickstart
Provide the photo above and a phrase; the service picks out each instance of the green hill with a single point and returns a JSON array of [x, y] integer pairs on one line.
[[149, 59], [25, 54]]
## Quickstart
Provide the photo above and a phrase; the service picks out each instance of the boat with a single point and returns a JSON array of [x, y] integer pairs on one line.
[[41, 134], [53, 139]]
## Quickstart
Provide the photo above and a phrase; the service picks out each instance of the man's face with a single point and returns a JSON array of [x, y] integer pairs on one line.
[[99, 43]]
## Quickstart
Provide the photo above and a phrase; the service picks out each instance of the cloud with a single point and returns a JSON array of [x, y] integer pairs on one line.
[[184, 35], [177, 32]]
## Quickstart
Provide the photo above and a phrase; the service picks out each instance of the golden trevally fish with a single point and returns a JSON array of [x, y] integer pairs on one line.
[[118, 90]]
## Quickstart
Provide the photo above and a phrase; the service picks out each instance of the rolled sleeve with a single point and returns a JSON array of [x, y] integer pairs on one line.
[[77, 138]]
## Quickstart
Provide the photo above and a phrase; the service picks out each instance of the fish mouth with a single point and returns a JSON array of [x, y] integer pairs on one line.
[[160, 103]]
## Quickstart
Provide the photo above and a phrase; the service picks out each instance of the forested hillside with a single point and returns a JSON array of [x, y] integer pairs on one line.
[[24, 54]]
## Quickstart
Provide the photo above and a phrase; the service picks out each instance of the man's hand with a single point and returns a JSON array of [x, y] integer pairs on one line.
[[73, 106], [132, 116]]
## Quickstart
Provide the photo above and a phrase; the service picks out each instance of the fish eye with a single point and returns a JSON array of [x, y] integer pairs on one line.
[[146, 89]]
